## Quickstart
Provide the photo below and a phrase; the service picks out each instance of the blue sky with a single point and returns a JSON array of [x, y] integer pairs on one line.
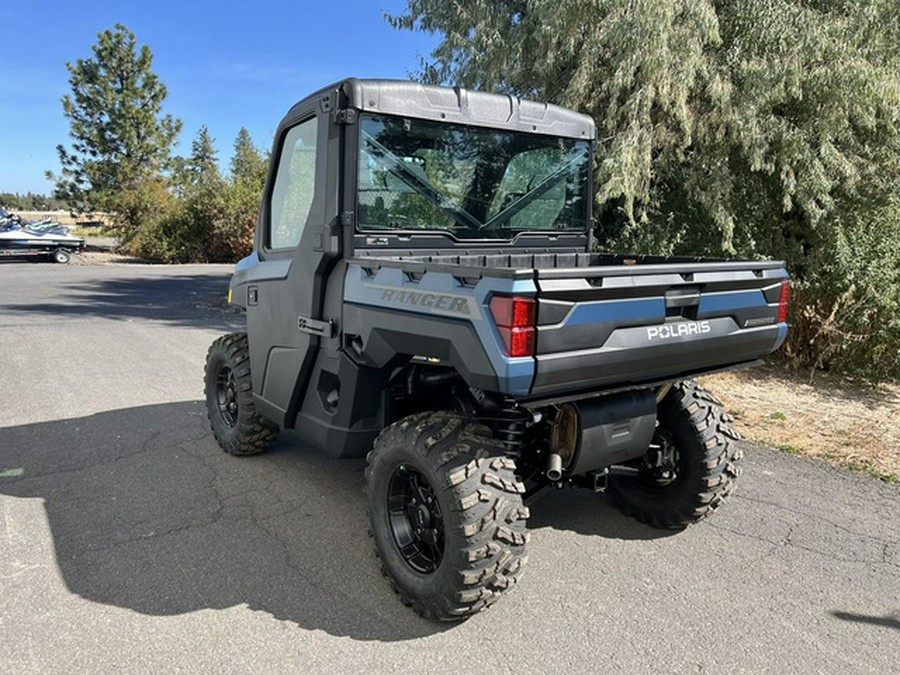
[[226, 65]]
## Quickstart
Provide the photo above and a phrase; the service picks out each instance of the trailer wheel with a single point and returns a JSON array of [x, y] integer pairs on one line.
[[446, 513], [62, 256], [691, 467], [236, 425]]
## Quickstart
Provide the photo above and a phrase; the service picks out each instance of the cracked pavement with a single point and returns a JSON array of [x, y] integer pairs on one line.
[[130, 543]]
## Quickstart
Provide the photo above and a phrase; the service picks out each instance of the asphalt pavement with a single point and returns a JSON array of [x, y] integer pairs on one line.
[[130, 543]]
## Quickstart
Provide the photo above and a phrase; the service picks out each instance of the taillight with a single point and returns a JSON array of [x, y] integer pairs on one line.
[[514, 316], [783, 301]]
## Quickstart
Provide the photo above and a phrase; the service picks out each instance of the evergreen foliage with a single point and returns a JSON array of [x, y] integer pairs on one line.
[[202, 166], [762, 128], [30, 201], [247, 164], [213, 218], [121, 140]]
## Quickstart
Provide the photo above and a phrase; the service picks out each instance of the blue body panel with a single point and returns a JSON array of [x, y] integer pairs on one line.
[[442, 294], [616, 310], [716, 303]]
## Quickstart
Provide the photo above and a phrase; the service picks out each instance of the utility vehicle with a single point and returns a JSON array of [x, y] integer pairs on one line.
[[424, 292]]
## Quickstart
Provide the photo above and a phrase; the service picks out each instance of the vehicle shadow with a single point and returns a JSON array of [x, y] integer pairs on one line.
[[589, 514], [9, 259], [147, 513], [889, 621]]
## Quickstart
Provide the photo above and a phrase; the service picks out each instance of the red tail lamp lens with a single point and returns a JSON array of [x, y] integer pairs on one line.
[[512, 311], [518, 341], [783, 301], [514, 317]]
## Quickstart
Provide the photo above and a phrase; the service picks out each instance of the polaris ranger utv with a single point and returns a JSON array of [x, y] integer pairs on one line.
[[423, 292]]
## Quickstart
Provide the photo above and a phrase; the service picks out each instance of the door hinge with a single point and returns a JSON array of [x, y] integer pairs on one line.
[[346, 116], [316, 327]]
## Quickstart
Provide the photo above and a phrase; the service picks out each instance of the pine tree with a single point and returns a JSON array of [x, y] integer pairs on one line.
[[247, 164], [202, 167], [121, 140], [232, 236]]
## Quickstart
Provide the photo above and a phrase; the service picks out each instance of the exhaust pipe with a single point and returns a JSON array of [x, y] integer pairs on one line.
[[554, 467]]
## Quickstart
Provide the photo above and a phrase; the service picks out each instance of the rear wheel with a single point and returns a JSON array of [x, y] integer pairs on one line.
[[62, 256], [691, 467], [236, 425], [446, 513]]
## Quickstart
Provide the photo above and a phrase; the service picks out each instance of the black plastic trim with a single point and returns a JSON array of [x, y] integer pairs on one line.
[[597, 368], [385, 334]]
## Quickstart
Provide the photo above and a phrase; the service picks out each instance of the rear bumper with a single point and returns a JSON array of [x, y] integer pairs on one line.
[[629, 356]]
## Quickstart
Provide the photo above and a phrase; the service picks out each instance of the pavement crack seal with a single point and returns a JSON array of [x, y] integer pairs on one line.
[[145, 536], [79, 469], [817, 517], [19, 473], [328, 586], [22, 571], [786, 542]]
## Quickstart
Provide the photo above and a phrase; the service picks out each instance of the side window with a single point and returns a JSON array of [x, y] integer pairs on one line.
[[295, 185]]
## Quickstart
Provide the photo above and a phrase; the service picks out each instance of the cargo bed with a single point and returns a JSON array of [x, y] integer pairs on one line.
[[610, 321]]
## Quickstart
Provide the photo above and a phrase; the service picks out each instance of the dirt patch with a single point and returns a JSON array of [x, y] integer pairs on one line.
[[105, 258], [831, 419]]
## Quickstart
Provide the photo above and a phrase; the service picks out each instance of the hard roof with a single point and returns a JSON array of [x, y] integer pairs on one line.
[[460, 106]]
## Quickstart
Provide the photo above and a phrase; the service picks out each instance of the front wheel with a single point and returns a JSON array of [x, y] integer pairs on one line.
[[691, 466], [62, 256], [446, 513], [238, 428]]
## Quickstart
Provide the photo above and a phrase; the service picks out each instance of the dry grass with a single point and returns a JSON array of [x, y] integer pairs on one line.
[[64, 217], [841, 422], [93, 258]]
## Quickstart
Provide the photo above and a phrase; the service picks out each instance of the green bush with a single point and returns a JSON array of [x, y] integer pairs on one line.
[[845, 310], [174, 237], [213, 223], [232, 233]]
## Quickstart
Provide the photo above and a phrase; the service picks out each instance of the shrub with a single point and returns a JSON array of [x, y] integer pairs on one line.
[[845, 312]]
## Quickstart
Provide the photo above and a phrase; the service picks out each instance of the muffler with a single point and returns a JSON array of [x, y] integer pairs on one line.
[[596, 433]]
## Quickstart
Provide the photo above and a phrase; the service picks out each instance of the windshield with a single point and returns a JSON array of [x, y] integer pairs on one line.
[[472, 182]]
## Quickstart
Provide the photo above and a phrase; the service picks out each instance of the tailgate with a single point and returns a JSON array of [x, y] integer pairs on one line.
[[614, 326]]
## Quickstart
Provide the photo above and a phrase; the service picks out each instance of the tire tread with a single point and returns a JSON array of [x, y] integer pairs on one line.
[[716, 458], [254, 433], [488, 512]]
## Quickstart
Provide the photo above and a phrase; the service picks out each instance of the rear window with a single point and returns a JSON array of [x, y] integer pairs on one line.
[[470, 181]]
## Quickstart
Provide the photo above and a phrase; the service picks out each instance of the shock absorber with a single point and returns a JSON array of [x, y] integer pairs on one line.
[[511, 426]]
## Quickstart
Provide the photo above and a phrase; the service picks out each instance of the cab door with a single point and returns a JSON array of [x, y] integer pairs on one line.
[[286, 286]]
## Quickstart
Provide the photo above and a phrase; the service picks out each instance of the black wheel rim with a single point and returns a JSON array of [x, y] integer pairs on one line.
[[415, 519], [226, 395]]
